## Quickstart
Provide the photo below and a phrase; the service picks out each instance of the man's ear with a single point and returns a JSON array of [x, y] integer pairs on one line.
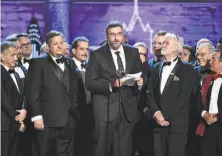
[[47, 46], [74, 51], [2, 57]]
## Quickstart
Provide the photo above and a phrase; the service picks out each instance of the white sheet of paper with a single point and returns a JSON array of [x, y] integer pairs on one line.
[[130, 79]]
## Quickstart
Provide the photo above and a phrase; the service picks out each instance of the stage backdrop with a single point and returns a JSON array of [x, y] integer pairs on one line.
[[141, 20]]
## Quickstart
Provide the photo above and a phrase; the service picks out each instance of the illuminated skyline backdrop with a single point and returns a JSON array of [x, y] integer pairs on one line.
[[141, 20]]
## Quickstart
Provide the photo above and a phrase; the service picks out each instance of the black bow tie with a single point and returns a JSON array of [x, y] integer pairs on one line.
[[83, 66], [60, 60], [26, 60], [169, 63], [166, 63], [11, 71]]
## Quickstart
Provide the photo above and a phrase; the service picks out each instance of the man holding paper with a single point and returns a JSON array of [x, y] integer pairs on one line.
[[114, 121]]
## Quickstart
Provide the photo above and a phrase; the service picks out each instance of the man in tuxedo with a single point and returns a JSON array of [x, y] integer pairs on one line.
[[203, 55], [211, 108], [13, 110], [26, 48], [26, 138], [51, 90], [157, 45], [80, 50], [114, 120], [170, 94]]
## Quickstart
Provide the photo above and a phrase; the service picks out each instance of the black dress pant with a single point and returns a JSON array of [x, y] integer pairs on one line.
[[56, 141], [114, 138], [169, 144], [84, 141], [211, 142], [9, 144], [143, 137]]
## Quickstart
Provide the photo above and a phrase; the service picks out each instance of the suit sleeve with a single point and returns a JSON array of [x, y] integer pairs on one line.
[[94, 82], [33, 88], [73, 111], [151, 102], [6, 105]]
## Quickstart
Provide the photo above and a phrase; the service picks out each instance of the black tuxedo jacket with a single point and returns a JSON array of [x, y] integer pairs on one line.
[[100, 72], [51, 92], [179, 94], [11, 100], [81, 95]]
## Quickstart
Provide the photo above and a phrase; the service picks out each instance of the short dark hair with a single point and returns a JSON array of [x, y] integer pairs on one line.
[[51, 34], [12, 37], [192, 56], [5, 45], [113, 24], [77, 39], [22, 35]]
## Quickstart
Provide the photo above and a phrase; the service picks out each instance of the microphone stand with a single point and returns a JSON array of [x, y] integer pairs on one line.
[[119, 74]]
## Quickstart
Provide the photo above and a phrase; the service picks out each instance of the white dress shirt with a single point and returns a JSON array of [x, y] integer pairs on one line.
[[78, 64], [26, 64], [62, 67], [122, 56], [20, 72], [213, 106], [12, 76], [166, 71]]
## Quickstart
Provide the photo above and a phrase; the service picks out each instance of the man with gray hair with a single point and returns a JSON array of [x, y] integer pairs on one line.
[[170, 94], [203, 55]]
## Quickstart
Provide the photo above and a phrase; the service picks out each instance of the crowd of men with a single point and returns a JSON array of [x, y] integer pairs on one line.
[[74, 104]]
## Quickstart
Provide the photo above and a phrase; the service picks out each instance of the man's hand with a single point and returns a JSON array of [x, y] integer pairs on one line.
[[116, 84], [22, 127], [139, 82], [21, 116], [210, 118], [160, 119], [39, 124]]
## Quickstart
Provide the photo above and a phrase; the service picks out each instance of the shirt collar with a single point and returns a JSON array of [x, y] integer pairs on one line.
[[78, 62], [54, 58]]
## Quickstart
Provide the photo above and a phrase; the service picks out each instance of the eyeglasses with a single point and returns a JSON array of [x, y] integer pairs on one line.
[[26, 45], [116, 35], [201, 54]]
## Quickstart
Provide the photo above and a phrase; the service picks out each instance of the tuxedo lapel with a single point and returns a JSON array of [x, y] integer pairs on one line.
[[9, 78], [128, 59], [109, 59], [56, 69], [172, 75]]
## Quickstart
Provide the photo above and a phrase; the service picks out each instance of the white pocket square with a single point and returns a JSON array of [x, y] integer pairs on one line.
[[175, 78]]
